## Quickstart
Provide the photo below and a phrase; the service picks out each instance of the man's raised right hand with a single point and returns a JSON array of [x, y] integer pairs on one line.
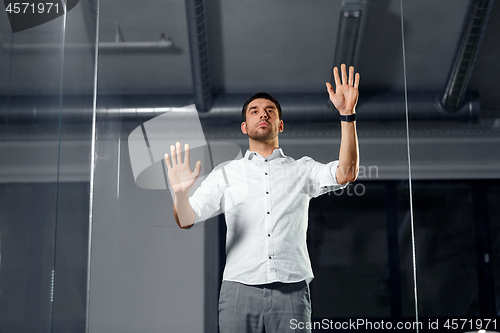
[[179, 173]]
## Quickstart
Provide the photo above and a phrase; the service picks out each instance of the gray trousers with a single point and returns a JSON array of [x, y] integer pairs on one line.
[[268, 308]]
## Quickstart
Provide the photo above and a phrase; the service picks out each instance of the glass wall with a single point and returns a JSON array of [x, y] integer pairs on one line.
[[46, 90], [454, 163]]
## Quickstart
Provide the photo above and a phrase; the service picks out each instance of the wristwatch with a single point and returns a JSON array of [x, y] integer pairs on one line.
[[349, 118]]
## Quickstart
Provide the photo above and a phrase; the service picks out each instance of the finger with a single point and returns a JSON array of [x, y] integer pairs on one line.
[[329, 87], [197, 169], [351, 75], [336, 77], [330, 91], [179, 153], [344, 74], [356, 81], [186, 154], [174, 157], [167, 161]]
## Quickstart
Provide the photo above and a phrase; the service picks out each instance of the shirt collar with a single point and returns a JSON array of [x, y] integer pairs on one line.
[[277, 153]]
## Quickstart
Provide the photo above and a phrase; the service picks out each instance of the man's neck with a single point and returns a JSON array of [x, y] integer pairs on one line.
[[265, 148]]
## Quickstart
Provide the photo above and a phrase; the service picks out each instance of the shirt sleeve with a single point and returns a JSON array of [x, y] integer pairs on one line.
[[206, 200], [322, 177]]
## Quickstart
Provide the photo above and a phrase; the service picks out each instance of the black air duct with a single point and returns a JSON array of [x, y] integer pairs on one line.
[[198, 48], [473, 30], [347, 36]]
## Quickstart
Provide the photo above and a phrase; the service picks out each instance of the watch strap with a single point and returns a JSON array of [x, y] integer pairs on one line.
[[348, 118]]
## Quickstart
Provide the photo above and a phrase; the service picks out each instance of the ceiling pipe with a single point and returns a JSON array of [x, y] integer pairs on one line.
[[297, 108], [162, 44], [119, 44], [390, 106], [198, 48], [473, 30]]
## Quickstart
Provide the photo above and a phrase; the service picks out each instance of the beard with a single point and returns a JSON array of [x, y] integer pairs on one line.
[[263, 134]]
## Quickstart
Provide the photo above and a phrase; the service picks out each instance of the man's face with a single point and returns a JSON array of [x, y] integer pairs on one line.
[[262, 120]]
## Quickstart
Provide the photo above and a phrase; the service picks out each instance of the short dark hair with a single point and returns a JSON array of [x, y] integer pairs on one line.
[[263, 95]]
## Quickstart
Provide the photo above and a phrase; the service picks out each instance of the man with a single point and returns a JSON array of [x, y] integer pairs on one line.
[[266, 279]]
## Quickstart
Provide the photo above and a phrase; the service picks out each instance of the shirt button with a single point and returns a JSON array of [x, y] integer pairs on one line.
[[268, 213], [267, 192], [266, 173], [265, 160], [268, 235], [270, 258]]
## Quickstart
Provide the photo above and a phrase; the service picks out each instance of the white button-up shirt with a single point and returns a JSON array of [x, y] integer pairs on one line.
[[266, 202]]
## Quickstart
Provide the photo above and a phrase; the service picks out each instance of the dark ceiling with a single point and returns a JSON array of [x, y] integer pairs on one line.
[[281, 46]]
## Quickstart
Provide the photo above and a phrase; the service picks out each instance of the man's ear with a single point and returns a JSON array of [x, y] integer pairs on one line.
[[281, 126], [244, 127]]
